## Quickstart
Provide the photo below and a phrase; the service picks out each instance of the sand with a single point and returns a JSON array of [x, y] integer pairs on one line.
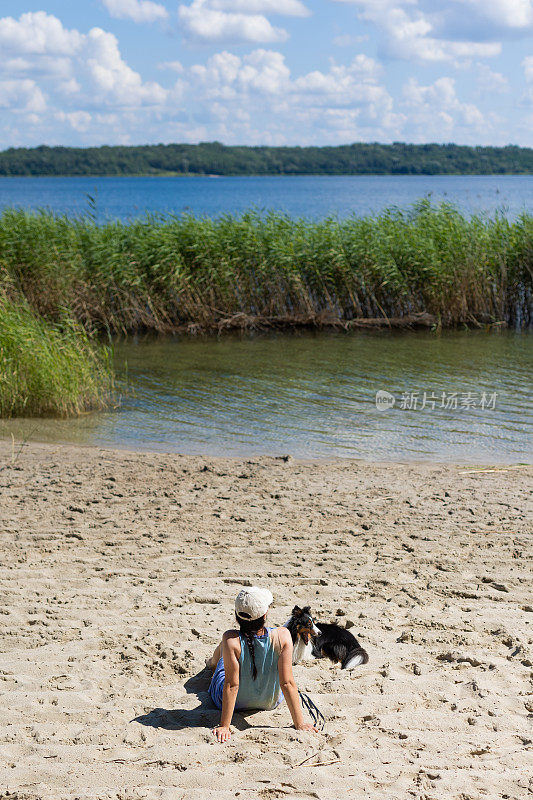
[[119, 572]]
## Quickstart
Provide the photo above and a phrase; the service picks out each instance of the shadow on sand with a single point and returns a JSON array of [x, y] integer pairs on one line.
[[206, 715]]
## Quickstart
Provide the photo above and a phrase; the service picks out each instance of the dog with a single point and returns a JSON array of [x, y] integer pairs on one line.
[[302, 628], [312, 639]]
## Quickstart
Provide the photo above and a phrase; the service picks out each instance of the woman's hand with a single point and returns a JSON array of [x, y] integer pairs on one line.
[[222, 733], [306, 726]]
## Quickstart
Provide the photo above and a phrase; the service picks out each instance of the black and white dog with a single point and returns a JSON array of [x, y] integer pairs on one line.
[[320, 640]]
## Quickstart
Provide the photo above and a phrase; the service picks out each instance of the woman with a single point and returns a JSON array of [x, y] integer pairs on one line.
[[253, 666]]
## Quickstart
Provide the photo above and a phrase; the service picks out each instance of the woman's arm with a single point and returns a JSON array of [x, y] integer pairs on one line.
[[288, 684], [230, 654]]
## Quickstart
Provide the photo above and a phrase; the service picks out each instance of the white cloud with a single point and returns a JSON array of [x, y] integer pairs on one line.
[[265, 72], [342, 84], [490, 81], [450, 15], [436, 109], [227, 76], [78, 120], [202, 22], [136, 10], [428, 31], [22, 95], [87, 67], [112, 79], [288, 8], [527, 64], [37, 33], [66, 86], [325, 104], [43, 66], [527, 96], [175, 66], [512, 14]]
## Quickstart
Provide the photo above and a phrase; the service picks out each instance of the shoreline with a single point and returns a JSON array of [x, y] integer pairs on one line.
[[217, 159], [5, 439], [120, 572], [281, 175]]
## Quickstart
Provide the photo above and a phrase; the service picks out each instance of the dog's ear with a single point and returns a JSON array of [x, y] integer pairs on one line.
[[296, 611], [307, 610]]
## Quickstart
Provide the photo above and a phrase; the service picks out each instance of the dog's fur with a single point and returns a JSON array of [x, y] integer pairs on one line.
[[321, 640], [302, 630]]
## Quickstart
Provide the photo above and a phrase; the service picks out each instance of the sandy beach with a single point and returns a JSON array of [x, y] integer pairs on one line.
[[119, 572]]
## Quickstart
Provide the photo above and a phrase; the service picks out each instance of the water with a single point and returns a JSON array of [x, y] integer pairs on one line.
[[314, 396], [307, 395], [309, 196]]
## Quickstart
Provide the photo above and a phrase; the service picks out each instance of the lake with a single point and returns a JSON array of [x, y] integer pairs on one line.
[[458, 396], [308, 196]]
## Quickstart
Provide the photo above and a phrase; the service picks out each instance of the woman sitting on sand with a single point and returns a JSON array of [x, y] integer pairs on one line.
[[253, 666]]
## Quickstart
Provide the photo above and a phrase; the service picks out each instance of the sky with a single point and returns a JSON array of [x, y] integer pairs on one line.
[[265, 71]]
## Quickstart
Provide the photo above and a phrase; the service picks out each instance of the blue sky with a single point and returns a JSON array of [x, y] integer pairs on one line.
[[266, 71]]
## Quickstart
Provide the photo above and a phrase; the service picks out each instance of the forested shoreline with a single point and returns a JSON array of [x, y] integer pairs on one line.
[[214, 158]]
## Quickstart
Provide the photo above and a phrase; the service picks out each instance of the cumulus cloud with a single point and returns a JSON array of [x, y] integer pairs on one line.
[[237, 20], [265, 72], [345, 97], [450, 15], [427, 31], [490, 81], [136, 10], [203, 22], [78, 120], [341, 84], [289, 8], [112, 79], [175, 66], [511, 14], [37, 33], [227, 76], [21, 95], [62, 85], [50, 76], [436, 109]]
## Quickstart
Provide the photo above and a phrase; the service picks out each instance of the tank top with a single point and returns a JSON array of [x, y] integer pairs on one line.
[[263, 692]]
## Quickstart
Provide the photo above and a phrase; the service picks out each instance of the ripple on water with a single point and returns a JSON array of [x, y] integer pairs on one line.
[[313, 395]]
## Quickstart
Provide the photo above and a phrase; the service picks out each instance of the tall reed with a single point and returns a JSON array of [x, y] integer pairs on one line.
[[163, 274], [49, 369]]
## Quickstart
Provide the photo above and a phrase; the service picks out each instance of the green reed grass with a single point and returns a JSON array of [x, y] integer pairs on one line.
[[62, 279], [164, 274], [49, 369]]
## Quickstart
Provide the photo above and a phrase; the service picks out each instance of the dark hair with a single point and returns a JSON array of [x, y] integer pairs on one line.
[[248, 627]]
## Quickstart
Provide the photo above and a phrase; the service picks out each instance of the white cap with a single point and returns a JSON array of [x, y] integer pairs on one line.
[[253, 602]]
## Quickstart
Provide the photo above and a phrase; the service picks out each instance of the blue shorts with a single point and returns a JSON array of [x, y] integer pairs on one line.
[[216, 687]]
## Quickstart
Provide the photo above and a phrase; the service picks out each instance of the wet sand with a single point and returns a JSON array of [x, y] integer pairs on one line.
[[119, 572]]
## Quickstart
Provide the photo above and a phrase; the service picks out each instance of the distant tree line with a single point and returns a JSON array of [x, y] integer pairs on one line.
[[214, 158]]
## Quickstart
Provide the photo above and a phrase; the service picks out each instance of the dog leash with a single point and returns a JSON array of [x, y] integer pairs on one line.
[[314, 712]]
